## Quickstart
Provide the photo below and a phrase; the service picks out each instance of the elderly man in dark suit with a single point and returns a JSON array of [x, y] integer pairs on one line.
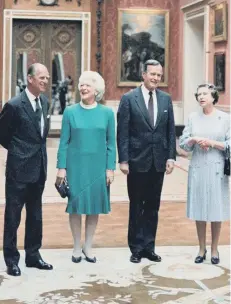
[[24, 125], [147, 149]]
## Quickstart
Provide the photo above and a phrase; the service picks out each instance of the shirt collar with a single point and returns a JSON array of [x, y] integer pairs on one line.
[[146, 91], [30, 95], [91, 106]]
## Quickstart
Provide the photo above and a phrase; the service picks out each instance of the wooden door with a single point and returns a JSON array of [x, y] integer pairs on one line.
[[58, 46]]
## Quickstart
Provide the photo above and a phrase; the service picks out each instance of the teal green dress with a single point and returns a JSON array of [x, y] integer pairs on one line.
[[87, 149]]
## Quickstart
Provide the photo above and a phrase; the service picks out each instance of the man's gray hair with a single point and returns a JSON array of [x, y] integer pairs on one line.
[[150, 62], [34, 67], [31, 69], [95, 80]]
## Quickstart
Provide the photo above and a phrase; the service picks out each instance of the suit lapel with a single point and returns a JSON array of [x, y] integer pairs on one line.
[[44, 110], [159, 108], [141, 104], [30, 111]]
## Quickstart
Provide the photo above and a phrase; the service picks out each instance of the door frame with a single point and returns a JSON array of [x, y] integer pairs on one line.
[[192, 12], [10, 15]]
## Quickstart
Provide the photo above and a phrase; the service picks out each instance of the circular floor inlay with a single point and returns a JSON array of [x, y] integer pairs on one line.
[[186, 271]]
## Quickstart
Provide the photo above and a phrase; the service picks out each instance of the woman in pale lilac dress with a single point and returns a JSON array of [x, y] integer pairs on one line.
[[207, 135]]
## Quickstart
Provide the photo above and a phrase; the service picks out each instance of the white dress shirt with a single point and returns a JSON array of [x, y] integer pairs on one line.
[[31, 98], [146, 96]]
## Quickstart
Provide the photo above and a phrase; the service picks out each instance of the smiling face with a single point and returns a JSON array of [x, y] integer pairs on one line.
[[87, 92], [37, 83], [204, 97], [153, 76]]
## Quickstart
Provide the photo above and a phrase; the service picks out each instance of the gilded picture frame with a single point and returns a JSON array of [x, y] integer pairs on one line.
[[219, 22], [219, 71], [142, 34]]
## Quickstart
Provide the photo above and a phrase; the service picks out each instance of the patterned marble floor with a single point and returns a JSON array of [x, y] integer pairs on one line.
[[114, 280]]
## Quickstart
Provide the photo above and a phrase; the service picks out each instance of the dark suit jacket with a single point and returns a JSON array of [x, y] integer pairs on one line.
[[139, 143], [21, 136]]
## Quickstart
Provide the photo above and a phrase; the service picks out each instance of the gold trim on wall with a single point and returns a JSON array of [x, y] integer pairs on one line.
[[128, 83]]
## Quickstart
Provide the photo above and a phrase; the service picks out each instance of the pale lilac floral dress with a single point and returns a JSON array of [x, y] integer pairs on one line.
[[208, 187]]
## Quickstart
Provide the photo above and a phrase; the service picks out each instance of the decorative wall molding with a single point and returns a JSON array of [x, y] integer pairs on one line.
[[195, 13], [197, 3], [191, 4]]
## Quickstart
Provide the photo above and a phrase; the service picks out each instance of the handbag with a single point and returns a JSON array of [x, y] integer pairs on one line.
[[227, 161], [63, 188]]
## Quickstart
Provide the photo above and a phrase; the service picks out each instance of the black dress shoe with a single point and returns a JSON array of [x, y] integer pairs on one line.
[[135, 258], [215, 260], [90, 260], [76, 260], [150, 255], [200, 259], [13, 270], [40, 264]]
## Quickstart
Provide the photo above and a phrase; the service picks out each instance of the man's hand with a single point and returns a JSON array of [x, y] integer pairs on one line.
[[60, 176], [169, 166], [124, 168]]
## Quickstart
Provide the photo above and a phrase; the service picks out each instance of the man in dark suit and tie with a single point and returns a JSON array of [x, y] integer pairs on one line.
[[147, 149], [24, 126]]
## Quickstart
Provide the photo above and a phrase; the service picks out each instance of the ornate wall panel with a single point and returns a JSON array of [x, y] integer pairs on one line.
[[110, 45], [27, 40], [55, 44], [63, 5], [63, 46]]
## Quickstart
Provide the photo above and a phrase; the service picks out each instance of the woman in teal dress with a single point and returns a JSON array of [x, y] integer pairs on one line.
[[87, 158]]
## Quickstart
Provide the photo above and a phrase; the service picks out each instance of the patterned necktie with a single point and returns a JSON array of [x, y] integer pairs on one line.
[[151, 108], [38, 112]]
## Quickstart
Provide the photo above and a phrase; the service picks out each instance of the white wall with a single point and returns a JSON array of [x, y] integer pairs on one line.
[[194, 62]]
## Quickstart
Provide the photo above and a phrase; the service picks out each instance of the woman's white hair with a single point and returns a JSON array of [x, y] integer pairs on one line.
[[95, 80]]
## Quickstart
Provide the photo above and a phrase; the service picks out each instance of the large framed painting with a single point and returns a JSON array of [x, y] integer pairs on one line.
[[219, 22], [142, 35], [219, 71]]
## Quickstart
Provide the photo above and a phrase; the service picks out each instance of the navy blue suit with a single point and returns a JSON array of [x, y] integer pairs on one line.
[[26, 170], [145, 148]]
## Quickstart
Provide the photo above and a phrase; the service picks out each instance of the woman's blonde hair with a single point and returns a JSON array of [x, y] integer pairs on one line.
[[95, 80]]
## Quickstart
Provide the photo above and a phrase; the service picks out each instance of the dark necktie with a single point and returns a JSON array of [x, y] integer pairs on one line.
[[38, 112], [151, 108]]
